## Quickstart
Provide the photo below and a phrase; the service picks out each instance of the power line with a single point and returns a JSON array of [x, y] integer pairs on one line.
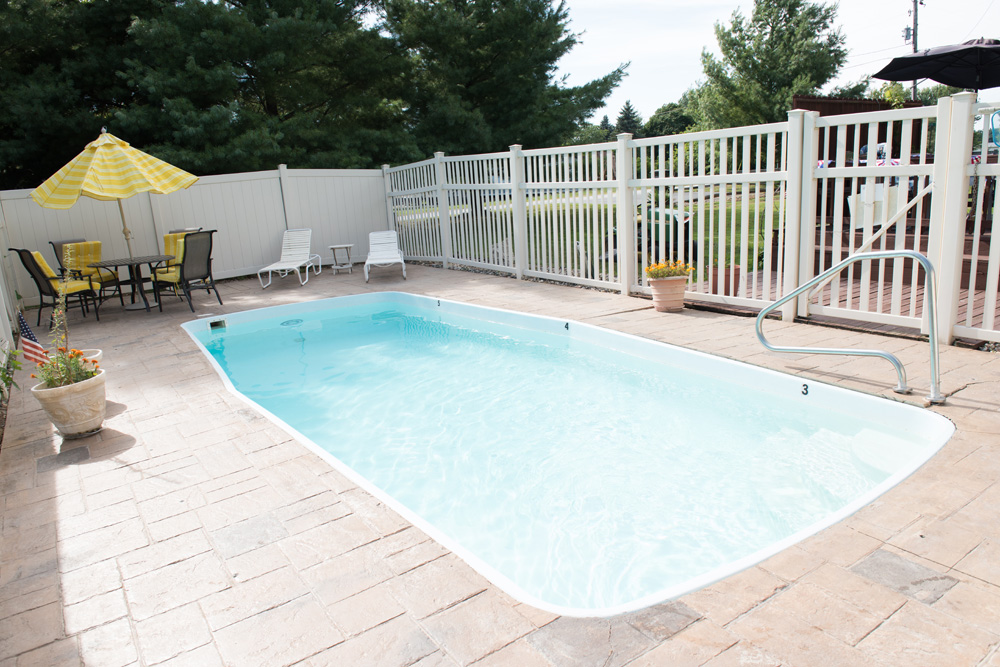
[[868, 53], [980, 19], [870, 62]]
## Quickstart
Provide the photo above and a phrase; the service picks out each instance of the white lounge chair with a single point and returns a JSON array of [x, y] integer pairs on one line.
[[295, 255], [383, 251]]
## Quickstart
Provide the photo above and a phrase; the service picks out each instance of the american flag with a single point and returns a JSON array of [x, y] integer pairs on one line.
[[33, 351]]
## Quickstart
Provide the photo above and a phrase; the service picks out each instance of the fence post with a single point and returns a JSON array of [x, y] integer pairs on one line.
[[625, 216], [520, 221], [390, 219], [946, 245], [8, 309], [282, 186], [444, 211], [807, 210], [796, 208]]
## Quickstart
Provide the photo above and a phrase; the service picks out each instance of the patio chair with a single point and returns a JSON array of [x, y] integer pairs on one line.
[[296, 254], [57, 248], [383, 250], [172, 246], [48, 284], [194, 270], [79, 255]]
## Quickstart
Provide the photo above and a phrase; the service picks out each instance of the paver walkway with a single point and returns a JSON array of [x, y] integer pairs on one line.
[[191, 531]]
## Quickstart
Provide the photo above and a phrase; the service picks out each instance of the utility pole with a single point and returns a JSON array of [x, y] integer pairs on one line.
[[911, 34], [916, 3]]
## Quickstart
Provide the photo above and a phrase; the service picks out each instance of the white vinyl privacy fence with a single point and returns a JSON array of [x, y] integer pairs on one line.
[[251, 211]]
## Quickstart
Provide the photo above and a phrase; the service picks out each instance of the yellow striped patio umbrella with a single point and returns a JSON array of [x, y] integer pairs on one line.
[[110, 170]]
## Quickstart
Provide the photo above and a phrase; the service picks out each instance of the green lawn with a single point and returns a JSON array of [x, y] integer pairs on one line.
[[559, 221]]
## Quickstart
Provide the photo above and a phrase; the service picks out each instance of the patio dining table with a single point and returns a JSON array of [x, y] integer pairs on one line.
[[136, 279]]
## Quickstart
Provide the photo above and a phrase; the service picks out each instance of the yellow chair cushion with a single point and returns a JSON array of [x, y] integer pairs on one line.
[[76, 257], [171, 273], [71, 286], [173, 244], [44, 266]]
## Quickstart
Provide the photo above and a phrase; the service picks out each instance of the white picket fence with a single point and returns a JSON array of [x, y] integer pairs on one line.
[[552, 213], [757, 210]]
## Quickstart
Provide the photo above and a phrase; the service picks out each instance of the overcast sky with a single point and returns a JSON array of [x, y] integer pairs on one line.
[[663, 40]]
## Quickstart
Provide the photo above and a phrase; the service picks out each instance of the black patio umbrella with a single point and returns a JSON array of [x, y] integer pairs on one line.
[[974, 64]]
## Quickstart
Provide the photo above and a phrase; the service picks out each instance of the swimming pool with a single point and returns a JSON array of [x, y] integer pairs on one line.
[[583, 471]]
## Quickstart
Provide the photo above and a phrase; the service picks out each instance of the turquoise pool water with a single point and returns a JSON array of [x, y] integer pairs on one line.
[[584, 471]]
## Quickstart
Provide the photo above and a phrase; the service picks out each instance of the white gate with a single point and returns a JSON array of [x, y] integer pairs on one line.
[[868, 191]]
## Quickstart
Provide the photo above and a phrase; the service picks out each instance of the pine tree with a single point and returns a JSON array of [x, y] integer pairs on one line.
[[629, 121], [226, 87], [484, 73], [609, 129], [59, 80]]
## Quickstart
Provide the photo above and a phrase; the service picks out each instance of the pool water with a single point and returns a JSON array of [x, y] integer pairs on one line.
[[584, 471]]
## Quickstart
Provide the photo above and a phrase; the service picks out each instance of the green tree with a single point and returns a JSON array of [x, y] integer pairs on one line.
[[785, 48], [629, 120], [854, 90], [671, 118], [588, 133], [929, 95], [607, 128], [483, 73], [242, 86], [893, 93], [59, 82]]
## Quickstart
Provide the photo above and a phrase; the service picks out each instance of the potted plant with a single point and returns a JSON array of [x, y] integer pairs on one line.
[[667, 281], [72, 387], [726, 279]]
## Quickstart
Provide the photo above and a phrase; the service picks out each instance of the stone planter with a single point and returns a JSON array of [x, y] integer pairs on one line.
[[668, 293], [76, 410], [93, 354]]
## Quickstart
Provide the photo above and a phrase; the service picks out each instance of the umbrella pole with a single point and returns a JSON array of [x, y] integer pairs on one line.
[[126, 232]]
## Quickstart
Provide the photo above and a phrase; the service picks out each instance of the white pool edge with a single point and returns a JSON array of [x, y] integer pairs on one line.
[[491, 574]]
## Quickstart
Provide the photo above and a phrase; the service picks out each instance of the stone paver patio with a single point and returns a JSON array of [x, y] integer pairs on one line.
[[191, 531]]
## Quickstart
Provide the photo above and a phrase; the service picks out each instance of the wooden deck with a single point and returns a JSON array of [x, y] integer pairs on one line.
[[908, 301]]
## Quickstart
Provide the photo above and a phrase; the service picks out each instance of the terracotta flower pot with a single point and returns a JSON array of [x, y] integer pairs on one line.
[[668, 293], [77, 409], [721, 283]]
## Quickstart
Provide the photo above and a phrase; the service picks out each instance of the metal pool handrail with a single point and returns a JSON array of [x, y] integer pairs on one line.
[[930, 290]]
